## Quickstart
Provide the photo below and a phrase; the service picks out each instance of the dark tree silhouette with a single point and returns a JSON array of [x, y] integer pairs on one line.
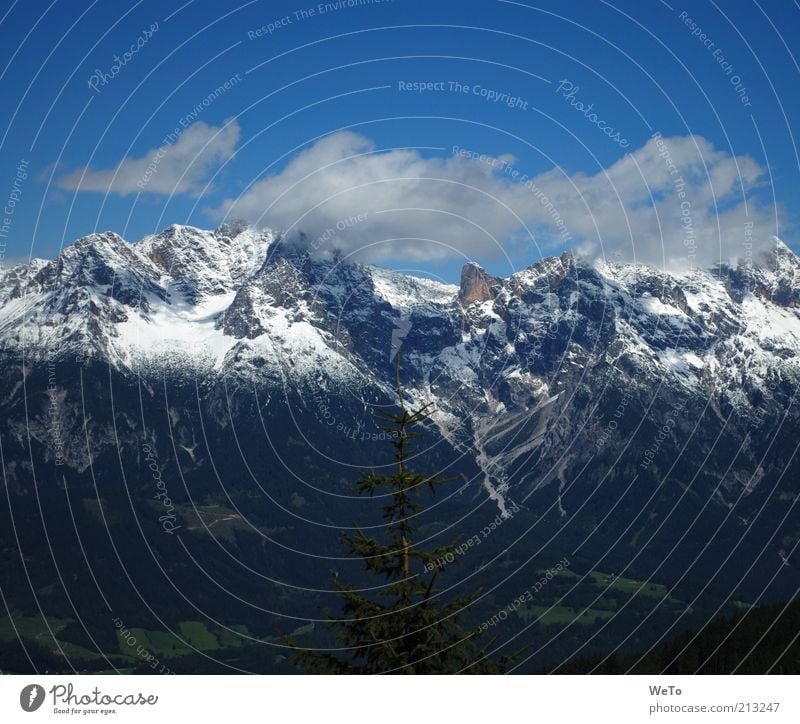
[[404, 627]]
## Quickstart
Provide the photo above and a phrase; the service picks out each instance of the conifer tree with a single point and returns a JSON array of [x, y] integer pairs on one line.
[[403, 627]]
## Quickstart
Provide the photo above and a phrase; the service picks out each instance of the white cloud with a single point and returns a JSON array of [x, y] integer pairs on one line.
[[675, 201], [181, 165], [415, 207], [343, 193]]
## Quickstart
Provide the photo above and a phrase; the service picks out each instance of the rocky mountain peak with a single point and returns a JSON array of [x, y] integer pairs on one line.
[[207, 263], [476, 285]]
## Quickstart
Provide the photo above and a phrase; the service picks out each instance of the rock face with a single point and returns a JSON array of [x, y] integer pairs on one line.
[[476, 285]]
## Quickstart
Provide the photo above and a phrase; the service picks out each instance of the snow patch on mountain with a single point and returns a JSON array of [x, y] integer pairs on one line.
[[177, 330]]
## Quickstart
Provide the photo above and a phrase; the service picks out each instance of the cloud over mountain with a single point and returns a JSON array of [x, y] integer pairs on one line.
[[675, 201]]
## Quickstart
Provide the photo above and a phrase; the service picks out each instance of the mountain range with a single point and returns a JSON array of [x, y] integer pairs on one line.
[[183, 417]]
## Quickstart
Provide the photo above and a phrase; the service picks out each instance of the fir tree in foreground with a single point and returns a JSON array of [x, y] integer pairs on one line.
[[403, 627]]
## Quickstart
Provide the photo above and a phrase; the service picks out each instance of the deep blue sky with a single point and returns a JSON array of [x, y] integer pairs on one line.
[[636, 61]]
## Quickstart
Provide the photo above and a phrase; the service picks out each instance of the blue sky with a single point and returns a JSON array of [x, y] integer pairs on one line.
[[296, 78]]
